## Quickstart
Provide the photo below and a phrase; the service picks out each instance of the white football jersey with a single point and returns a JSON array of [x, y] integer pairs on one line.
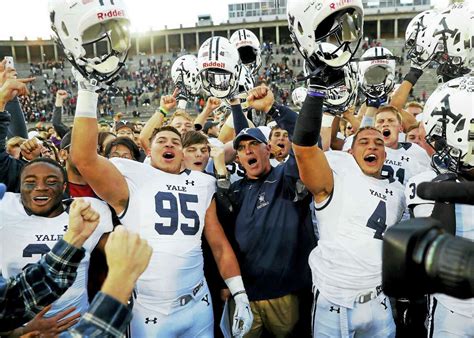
[[168, 210], [25, 238], [405, 162], [351, 224], [464, 228]]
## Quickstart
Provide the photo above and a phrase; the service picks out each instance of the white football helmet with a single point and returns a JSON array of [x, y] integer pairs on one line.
[[341, 90], [312, 22], [184, 73], [219, 67], [450, 41], [248, 46], [448, 118], [377, 71], [416, 28], [76, 24], [298, 96]]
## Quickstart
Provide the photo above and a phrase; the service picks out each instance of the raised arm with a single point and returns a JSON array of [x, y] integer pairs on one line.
[[313, 166], [167, 103], [60, 128], [103, 177], [211, 105]]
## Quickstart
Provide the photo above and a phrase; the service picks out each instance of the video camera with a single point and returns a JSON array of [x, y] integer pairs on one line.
[[420, 258]]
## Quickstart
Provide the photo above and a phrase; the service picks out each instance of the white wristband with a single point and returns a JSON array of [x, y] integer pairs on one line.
[[86, 104], [235, 284], [327, 121], [182, 104]]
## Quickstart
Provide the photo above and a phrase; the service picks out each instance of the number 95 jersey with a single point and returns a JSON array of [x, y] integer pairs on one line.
[[168, 210]]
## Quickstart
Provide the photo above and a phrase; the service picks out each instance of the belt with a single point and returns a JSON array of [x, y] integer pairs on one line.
[[185, 299], [368, 296]]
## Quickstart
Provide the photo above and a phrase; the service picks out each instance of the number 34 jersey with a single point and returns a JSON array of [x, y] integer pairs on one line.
[[168, 210], [351, 224], [25, 238]]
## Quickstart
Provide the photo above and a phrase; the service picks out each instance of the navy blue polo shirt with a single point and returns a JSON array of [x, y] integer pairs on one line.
[[273, 233]]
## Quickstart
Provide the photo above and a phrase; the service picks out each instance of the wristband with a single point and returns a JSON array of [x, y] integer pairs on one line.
[[316, 92], [327, 121], [163, 111], [86, 104], [413, 75], [235, 285]]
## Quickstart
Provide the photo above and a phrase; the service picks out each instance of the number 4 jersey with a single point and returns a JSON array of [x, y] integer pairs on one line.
[[168, 210], [25, 238], [351, 224]]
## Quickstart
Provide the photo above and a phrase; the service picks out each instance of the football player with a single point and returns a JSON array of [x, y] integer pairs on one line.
[[171, 208], [36, 218], [448, 119]]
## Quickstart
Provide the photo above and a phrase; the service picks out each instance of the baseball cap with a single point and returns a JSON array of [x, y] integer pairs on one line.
[[250, 133], [124, 124], [208, 125]]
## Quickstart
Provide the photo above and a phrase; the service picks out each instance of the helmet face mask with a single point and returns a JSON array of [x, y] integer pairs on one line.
[[311, 23], [219, 67], [76, 25], [377, 72]]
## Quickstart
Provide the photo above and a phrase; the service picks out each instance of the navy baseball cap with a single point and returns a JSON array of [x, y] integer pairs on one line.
[[3, 188], [250, 133]]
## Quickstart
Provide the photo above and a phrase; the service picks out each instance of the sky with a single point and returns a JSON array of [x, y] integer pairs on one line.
[[30, 18]]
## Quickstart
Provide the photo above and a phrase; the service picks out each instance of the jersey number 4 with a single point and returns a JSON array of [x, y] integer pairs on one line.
[[377, 220], [171, 212]]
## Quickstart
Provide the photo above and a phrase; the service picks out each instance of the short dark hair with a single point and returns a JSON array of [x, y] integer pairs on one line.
[[193, 137], [360, 130], [46, 160], [126, 142], [275, 128], [165, 128]]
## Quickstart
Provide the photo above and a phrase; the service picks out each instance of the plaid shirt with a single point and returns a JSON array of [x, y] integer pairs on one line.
[[23, 296], [106, 317]]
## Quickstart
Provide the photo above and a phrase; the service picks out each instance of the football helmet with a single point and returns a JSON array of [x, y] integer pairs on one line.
[[450, 41], [184, 73], [414, 33], [248, 46], [377, 71], [341, 83], [448, 118], [312, 22], [76, 24], [219, 67], [298, 96]]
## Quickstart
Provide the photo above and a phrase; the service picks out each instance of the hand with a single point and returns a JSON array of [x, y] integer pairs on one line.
[[275, 150], [31, 149], [243, 317], [260, 98], [83, 220], [127, 253], [127, 257], [61, 95], [12, 88], [52, 326], [6, 73], [168, 102], [348, 113], [212, 104]]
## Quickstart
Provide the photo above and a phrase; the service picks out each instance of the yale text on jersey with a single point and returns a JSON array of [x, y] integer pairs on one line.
[[171, 187]]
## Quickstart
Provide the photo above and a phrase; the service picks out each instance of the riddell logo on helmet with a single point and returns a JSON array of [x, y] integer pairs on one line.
[[110, 14], [214, 64]]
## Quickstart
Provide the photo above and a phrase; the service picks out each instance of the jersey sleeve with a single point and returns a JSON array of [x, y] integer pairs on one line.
[[341, 162]]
